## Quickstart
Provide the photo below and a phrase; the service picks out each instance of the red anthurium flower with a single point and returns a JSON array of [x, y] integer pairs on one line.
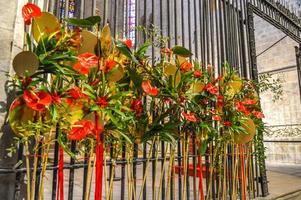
[[212, 89], [227, 123], [136, 106], [240, 107], [216, 118], [30, 11], [197, 74], [189, 116], [149, 89], [81, 129], [37, 100], [86, 61], [185, 66], [128, 43], [258, 115], [110, 64], [249, 101], [102, 102]]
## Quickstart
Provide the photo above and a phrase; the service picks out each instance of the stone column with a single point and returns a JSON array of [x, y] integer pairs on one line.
[[11, 35]]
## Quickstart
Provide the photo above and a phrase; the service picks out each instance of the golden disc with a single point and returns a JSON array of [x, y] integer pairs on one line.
[[26, 63], [250, 131], [106, 41], [169, 69], [197, 87], [44, 25], [116, 74], [19, 116], [89, 41]]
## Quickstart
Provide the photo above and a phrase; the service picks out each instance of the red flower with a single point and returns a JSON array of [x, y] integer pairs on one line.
[[189, 117], [216, 118], [128, 43], [136, 106], [102, 102], [30, 11], [227, 123], [258, 115], [81, 129], [249, 101], [149, 89], [185, 66], [86, 61], [241, 108], [110, 64], [74, 93], [37, 100], [197, 74], [212, 89], [220, 101], [56, 98]]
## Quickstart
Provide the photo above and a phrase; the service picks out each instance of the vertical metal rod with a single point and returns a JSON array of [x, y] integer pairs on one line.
[[144, 167], [71, 173], [55, 162]]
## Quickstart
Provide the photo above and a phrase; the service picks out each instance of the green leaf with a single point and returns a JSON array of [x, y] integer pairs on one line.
[[87, 22], [203, 147], [125, 137], [181, 51], [135, 77], [142, 50]]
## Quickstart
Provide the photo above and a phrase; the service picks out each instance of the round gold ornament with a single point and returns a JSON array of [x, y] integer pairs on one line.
[[26, 63], [89, 41], [44, 25], [20, 115], [250, 131], [116, 74]]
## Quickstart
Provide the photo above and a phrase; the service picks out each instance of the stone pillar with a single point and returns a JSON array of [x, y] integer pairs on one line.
[[10, 41]]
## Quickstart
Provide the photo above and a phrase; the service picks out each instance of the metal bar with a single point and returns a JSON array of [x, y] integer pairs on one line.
[[71, 172]]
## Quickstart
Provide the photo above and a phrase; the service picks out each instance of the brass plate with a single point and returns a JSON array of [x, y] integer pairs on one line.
[[26, 62], [44, 25], [89, 41]]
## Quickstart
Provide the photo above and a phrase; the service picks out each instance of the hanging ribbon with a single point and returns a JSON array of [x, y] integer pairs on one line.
[[99, 159], [201, 178], [60, 186]]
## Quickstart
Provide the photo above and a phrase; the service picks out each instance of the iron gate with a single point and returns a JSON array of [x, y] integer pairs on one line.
[[216, 31]]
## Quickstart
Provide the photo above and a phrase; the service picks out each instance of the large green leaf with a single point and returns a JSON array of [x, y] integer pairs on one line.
[[87, 22], [181, 51]]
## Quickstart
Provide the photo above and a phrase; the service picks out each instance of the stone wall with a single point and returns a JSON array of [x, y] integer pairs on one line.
[[285, 111]]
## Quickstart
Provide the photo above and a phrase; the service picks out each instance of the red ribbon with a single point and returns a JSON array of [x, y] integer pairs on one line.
[[99, 160], [60, 186], [201, 178]]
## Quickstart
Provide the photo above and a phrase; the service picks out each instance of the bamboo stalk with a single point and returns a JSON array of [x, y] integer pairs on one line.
[[156, 160], [105, 174], [225, 172], [89, 172], [186, 146], [162, 172], [44, 166], [35, 163], [146, 170], [111, 181], [171, 161], [27, 169]]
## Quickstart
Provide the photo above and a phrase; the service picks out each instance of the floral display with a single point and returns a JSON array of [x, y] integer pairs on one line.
[[110, 93]]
